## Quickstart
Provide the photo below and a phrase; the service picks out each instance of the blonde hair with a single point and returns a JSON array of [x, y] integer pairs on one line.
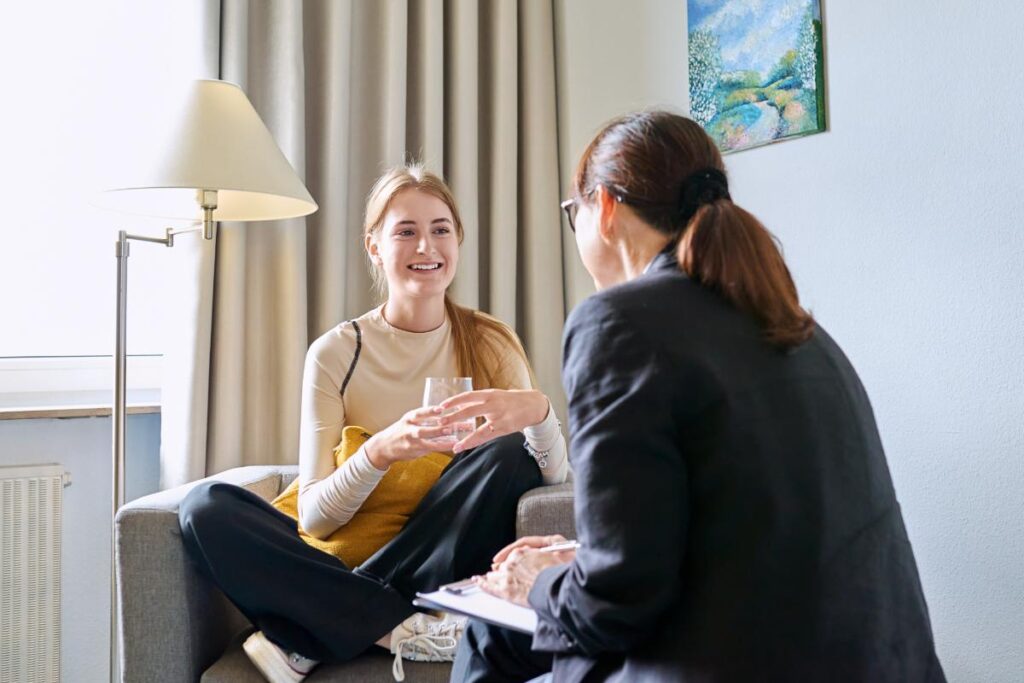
[[480, 340]]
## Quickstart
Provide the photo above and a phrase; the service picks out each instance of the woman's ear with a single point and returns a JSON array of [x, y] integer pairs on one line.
[[607, 205], [372, 248]]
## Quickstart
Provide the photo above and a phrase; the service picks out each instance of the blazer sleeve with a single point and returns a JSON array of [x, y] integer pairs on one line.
[[630, 487]]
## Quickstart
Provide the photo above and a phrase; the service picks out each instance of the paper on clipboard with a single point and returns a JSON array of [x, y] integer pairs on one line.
[[481, 605]]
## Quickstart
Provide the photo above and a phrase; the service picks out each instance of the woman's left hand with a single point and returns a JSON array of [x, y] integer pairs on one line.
[[514, 577], [504, 411]]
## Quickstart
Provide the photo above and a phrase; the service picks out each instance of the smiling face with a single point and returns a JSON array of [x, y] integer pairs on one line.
[[416, 245]]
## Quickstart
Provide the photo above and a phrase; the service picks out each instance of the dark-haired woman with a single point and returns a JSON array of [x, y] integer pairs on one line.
[[735, 512]]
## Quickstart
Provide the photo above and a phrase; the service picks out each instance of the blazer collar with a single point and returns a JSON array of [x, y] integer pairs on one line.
[[665, 259]]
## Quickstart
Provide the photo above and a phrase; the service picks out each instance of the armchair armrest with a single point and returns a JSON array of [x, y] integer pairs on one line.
[[173, 622], [546, 510]]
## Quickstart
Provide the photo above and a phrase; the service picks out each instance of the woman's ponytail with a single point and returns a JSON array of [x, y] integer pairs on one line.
[[727, 250]]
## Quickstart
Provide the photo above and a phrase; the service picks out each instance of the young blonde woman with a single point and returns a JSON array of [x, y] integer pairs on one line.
[[367, 375]]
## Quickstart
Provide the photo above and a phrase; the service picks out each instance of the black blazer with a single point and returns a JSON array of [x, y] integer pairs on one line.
[[736, 514]]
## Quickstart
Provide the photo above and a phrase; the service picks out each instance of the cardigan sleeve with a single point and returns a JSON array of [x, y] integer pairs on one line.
[[328, 496]]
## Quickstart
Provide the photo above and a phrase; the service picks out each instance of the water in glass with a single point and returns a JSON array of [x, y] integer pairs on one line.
[[438, 389]]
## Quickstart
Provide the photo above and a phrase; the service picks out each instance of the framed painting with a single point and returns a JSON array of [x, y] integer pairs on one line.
[[756, 70]]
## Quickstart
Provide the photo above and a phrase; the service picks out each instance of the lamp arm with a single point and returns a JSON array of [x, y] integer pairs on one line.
[[168, 239], [144, 238], [207, 200]]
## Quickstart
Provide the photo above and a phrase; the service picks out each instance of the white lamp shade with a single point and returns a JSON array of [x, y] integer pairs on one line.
[[214, 141]]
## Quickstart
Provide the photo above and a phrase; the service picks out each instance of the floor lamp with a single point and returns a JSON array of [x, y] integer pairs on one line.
[[211, 159]]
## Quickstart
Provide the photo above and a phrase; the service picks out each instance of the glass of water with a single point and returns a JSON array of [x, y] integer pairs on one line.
[[439, 389]]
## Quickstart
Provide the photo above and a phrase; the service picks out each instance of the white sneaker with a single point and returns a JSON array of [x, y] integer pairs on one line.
[[277, 665], [425, 638]]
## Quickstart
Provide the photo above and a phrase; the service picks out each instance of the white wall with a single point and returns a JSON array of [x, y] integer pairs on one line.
[[613, 57], [82, 446], [903, 227]]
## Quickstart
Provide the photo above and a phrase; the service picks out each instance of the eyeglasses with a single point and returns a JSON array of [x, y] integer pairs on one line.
[[570, 207]]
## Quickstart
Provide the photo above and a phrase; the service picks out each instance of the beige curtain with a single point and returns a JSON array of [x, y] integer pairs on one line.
[[349, 88]]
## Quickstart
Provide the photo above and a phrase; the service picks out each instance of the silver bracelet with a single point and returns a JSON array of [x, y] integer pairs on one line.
[[540, 456]]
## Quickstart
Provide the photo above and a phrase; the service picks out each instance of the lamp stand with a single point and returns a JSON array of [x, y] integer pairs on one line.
[[207, 200]]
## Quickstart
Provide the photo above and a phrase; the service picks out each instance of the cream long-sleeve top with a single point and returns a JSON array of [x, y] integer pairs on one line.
[[387, 382]]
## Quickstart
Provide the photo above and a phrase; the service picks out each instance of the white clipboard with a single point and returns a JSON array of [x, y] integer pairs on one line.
[[473, 602]]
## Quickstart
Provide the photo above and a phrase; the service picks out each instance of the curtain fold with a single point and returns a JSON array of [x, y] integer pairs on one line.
[[540, 290], [348, 89]]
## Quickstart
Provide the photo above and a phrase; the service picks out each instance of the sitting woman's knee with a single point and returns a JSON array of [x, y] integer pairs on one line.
[[204, 504], [508, 454]]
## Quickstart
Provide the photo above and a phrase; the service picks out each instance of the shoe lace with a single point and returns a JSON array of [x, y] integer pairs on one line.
[[438, 645]]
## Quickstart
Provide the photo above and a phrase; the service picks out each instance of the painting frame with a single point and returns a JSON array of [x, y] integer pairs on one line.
[[757, 70]]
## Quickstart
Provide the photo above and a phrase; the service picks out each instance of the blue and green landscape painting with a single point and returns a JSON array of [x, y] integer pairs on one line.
[[756, 73]]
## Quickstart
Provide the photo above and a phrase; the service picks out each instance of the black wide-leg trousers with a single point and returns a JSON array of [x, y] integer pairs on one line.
[[310, 602], [492, 654]]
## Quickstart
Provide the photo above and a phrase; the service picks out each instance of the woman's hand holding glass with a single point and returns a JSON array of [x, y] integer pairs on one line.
[[504, 411], [437, 390], [414, 435]]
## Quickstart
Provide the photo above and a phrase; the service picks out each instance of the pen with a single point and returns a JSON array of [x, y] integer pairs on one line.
[[555, 547], [459, 587]]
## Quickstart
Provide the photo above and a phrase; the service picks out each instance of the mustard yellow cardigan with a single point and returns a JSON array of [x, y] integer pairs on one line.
[[383, 513]]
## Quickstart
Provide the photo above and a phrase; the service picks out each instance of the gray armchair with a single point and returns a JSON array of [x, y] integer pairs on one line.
[[177, 626]]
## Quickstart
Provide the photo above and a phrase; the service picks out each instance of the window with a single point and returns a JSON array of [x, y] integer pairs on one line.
[[77, 79]]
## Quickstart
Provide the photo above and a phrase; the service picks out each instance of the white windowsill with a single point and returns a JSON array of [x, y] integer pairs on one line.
[[70, 386], [37, 405]]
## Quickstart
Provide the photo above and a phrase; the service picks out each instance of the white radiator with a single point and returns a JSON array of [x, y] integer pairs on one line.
[[30, 525]]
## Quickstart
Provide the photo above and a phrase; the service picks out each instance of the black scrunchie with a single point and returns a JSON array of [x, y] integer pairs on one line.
[[703, 187]]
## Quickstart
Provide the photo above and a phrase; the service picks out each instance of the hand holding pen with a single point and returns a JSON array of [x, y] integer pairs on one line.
[[517, 566], [565, 549], [562, 551]]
